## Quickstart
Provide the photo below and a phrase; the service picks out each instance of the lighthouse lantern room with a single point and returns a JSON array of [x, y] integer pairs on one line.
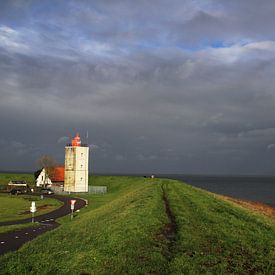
[[76, 166]]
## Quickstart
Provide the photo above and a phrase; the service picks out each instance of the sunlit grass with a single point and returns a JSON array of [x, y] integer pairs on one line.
[[121, 232], [18, 207]]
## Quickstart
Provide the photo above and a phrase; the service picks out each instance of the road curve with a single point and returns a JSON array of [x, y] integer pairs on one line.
[[11, 241]]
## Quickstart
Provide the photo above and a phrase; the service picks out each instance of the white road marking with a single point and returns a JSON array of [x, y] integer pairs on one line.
[[26, 233], [2, 242], [16, 237], [34, 230]]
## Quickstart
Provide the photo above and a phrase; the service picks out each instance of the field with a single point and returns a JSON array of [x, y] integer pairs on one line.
[[18, 207], [155, 226], [5, 178]]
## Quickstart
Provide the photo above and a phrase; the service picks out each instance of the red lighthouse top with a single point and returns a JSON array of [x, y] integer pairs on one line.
[[76, 141]]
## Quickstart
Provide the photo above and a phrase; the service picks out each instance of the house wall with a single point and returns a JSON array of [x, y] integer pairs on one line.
[[40, 181]]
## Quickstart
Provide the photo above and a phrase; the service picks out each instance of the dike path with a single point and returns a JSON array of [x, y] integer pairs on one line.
[[12, 241]]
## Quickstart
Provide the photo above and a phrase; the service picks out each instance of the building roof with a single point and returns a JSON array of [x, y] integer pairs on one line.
[[17, 182], [58, 174], [55, 175]]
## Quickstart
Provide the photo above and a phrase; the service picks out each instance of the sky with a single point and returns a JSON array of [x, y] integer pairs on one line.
[[152, 86]]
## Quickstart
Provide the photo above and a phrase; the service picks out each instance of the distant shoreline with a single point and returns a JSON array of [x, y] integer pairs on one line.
[[161, 175], [256, 188]]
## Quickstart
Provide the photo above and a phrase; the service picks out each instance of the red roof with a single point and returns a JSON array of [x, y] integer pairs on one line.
[[58, 174]]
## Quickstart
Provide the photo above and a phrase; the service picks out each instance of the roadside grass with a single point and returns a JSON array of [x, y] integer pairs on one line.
[[18, 207], [123, 232], [15, 227], [218, 237]]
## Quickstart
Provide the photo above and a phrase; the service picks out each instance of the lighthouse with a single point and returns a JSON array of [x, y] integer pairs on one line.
[[76, 166]]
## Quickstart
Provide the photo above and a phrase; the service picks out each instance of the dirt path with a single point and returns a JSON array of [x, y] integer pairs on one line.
[[255, 206], [170, 229]]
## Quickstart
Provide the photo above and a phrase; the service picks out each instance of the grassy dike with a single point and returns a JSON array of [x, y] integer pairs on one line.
[[151, 226], [218, 237]]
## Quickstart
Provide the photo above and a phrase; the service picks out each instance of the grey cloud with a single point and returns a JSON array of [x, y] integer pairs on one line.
[[149, 104], [271, 146], [93, 147], [63, 140]]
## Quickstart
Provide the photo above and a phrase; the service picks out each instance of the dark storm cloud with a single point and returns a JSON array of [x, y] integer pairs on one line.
[[226, 23], [183, 86]]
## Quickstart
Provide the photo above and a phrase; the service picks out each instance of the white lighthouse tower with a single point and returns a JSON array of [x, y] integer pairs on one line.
[[76, 166]]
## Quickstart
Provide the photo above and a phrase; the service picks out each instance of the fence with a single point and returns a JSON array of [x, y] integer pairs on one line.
[[97, 189], [57, 188]]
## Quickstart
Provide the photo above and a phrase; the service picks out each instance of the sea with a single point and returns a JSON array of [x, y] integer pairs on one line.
[[252, 188]]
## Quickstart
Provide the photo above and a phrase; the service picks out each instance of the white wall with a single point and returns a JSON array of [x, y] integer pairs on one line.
[[76, 169], [40, 181]]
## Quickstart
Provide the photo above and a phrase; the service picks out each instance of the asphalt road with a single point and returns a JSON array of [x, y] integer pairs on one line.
[[11, 241]]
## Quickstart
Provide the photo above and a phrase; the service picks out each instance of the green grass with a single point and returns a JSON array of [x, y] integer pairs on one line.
[[18, 207], [115, 235], [215, 236], [122, 232], [6, 177]]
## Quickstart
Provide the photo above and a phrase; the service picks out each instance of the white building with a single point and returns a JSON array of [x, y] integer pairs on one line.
[[76, 166], [43, 179]]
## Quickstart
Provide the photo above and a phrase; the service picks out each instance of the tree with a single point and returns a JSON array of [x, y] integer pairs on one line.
[[49, 164]]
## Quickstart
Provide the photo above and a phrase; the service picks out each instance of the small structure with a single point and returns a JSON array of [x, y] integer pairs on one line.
[[17, 184], [56, 177], [76, 166], [43, 179]]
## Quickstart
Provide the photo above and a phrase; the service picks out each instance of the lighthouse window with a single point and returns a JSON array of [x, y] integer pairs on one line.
[[81, 165], [81, 178], [81, 154]]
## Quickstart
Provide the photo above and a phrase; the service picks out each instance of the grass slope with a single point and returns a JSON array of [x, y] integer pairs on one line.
[[117, 237], [218, 237], [125, 231]]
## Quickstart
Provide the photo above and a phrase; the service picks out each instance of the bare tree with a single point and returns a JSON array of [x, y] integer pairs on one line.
[[49, 164]]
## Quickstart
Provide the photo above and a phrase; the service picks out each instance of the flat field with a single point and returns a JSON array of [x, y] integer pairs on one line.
[[155, 226], [18, 207], [6, 177]]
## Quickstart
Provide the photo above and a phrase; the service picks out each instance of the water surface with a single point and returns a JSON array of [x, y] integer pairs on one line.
[[253, 188]]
